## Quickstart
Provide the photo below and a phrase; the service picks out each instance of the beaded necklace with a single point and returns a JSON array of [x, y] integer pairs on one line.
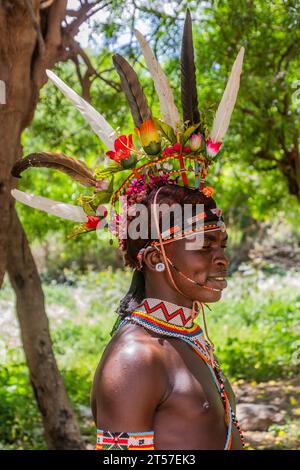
[[172, 320]]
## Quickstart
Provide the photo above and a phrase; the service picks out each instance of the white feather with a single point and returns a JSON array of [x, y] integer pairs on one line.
[[227, 103], [60, 209], [97, 122], [168, 108]]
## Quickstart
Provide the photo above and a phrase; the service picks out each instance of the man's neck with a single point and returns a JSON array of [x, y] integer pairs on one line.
[[167, 311], [169, 295]]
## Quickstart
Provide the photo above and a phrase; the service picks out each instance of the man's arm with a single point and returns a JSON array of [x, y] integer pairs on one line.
[[129, 385]]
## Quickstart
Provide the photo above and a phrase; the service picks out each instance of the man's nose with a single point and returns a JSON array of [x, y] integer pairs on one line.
[[221, 259]]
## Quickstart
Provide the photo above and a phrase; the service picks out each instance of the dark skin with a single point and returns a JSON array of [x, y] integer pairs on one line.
[[148, 382]]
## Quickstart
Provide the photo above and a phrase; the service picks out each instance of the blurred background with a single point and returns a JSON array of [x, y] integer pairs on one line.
[[58, 297]]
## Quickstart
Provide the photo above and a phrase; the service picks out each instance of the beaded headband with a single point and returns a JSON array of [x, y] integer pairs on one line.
[[166, 150]]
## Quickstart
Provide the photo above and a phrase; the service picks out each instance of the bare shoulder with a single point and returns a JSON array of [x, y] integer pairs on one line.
[[131, 376], [134, 345]]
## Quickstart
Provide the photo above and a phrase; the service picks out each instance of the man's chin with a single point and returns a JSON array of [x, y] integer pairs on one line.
[[214, 296], [206, 297]]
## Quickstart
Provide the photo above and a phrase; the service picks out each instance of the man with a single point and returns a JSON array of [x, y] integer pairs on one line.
[[154, 385], [158, 384]]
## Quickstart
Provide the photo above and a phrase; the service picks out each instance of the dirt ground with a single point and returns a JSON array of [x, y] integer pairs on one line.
[[284, 395]]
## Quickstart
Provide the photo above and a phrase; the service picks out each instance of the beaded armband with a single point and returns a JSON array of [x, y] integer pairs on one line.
[[108, 440]]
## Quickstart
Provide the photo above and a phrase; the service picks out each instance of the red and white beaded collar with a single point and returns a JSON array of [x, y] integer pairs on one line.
[[167, 312]]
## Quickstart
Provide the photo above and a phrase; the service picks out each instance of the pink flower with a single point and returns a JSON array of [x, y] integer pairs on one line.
[[101, 185], [101, 211], [212, 148], [217, 211]]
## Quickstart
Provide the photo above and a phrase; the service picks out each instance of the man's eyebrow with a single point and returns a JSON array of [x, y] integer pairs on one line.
[[213, 237]]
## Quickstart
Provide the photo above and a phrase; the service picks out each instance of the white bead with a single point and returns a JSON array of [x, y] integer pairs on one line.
[[160, 267]]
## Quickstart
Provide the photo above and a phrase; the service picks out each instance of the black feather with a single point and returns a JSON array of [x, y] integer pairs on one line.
[[133, 90], [189, 98]]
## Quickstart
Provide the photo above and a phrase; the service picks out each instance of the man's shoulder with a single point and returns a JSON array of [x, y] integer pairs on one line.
[[132, 345], [131, 367]]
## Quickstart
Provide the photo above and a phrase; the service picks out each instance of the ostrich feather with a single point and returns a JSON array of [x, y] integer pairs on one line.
[[227, 103], [189, 97], [168, 108], [73, 167], [97, 122], [133, 90], [59, 209]]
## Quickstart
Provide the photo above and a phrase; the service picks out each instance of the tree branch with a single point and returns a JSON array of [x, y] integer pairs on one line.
[[288, 53], [86, 80], [248, 111], [36, 26], [83, 14], [46, 4], [56, 15], [266, 156]]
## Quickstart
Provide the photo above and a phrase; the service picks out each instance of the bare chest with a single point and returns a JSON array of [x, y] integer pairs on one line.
[[192, 415]]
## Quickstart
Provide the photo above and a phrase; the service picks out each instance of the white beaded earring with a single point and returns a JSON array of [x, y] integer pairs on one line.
[[160, 267]]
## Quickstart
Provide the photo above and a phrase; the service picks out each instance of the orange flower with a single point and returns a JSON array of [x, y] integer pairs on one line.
[[149, 137]]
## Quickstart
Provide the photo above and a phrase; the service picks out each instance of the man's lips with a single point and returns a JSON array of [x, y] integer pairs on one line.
[[217, 282]]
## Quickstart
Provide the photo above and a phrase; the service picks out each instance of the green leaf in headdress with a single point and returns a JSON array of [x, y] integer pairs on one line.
[[77, 230], [101, 173], [90, 203], [188, 132], [85, 202], [102, 197]]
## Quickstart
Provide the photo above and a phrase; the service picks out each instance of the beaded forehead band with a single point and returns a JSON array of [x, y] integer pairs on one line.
[[165, 150]]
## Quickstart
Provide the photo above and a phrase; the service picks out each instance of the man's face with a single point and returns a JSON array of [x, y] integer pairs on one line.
[[201, 259]]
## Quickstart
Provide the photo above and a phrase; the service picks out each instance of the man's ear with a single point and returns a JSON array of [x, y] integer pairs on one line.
[[151, 258]]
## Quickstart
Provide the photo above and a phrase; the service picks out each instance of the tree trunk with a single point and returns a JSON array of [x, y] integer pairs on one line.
[[240, 255], [60, 425], [19, 51]]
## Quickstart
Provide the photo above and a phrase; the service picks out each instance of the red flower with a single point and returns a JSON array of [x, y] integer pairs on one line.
[[175, 148], [172, 149], [123, 145]]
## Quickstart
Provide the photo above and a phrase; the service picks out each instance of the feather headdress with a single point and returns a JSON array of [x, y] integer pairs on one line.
[[168, 108], [165, 148], [97, 122], [226, 106], [60, 209]]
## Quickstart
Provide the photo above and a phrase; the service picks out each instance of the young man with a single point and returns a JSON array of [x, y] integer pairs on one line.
[[158, 384], [151, 389]]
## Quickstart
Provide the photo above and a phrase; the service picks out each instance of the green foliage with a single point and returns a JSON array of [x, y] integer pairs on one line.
[[21, 426], [263, 122], [257, 330]]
